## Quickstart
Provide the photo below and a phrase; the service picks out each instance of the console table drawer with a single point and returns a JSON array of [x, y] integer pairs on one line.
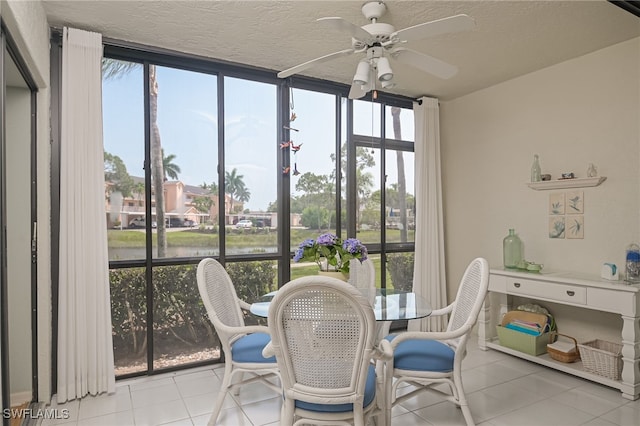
[[548, 291]]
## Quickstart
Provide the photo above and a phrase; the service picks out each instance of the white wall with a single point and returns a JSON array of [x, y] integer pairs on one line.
[[27, 24], [580, 111]]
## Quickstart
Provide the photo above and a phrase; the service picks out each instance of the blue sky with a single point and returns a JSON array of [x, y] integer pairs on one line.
[[187, 120]]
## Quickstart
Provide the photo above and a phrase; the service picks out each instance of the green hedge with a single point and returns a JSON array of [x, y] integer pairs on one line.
[[178, 312], [400, 266]]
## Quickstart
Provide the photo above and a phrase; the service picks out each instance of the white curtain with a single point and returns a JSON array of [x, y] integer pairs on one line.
[[85, 348], [429, 271]]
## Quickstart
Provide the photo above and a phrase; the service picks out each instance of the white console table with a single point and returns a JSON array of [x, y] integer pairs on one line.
[[575, 290]]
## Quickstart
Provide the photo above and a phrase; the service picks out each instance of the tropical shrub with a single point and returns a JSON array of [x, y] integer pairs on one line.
[[400, 266], [179, 314]]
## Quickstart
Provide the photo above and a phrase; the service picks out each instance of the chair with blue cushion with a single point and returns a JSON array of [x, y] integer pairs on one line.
[[323, 336], [242, 345], [426, 359]]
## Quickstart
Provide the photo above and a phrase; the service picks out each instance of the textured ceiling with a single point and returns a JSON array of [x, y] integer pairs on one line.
[[511, 38]]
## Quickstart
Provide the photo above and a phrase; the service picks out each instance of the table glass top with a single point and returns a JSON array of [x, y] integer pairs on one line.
[[390, 305]]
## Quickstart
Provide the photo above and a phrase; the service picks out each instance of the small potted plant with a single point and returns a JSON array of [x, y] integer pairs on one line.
[[331, 254]]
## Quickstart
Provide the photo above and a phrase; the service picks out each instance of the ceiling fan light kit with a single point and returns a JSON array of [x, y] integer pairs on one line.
[[361, 77], [380, 41], [388, 84], [384, 69]]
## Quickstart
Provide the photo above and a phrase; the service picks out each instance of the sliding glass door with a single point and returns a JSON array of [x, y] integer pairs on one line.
[[18, 227]]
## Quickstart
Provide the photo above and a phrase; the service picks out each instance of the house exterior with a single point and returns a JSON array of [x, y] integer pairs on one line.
[[180, 201]]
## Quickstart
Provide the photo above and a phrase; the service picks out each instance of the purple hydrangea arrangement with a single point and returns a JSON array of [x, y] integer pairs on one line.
[[330, 253]]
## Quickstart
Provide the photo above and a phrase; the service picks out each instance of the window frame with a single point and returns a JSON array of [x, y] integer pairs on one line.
[[146, 55]]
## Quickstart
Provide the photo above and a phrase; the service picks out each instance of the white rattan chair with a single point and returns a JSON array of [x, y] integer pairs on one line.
[[425, 359], [323, 336], [242, 345]]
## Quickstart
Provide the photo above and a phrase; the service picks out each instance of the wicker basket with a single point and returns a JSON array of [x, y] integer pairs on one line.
[[563, 356], [602, 358]]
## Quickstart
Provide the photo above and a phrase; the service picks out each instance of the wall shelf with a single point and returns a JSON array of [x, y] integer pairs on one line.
[[567, 183]]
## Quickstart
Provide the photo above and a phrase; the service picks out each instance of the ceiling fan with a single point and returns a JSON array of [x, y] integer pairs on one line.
[[380, 41]]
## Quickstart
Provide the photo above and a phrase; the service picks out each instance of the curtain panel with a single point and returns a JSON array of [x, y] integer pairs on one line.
[[429, 279], [85, 347]]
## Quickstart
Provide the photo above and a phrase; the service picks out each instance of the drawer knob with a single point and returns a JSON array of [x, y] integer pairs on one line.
[[516, 285], [571, 293]]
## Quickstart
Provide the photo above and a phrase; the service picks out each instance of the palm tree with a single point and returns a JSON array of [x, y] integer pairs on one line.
[[243, 194], [402, 183], [138, 189], [157, 170], [211, 187], [170, 169], [233, 183], [112, 68]]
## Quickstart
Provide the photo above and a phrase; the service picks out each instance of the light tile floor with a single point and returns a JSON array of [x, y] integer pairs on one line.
[[502, 391]]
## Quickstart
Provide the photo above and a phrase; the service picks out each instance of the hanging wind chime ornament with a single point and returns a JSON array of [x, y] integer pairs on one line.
[[289, 144]]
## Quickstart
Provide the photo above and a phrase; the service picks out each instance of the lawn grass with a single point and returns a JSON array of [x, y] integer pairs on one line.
[[305, 269], [236, 238]]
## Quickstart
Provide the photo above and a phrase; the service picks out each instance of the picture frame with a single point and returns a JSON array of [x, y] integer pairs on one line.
[[574, 202], [556, 203], [556, 227], [574, 224]]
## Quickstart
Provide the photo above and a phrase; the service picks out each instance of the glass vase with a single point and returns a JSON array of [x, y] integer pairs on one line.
[[511, 250], [334, 274]]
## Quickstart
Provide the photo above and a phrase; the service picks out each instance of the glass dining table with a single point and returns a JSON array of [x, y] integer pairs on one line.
[[390, 304]]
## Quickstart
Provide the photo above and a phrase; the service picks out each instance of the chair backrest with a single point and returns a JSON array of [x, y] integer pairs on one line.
[[218, 295], [471, 294], [362, 274], [323, 333]]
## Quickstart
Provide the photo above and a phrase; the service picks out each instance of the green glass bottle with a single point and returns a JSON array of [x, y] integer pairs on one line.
[[536, 173], [511, 250]]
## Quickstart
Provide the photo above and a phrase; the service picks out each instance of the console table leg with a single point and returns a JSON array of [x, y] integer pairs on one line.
[[630, 357]]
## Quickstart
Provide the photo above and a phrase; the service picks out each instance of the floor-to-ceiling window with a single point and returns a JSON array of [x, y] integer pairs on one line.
[[164, 118], [203, 159], [312, 166], [250, 166], [384, 188]]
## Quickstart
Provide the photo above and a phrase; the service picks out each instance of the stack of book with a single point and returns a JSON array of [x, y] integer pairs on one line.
[[532, 328]]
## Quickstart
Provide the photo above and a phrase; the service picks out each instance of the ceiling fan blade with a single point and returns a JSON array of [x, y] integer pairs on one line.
[[301, 67], [355, 31], [452, 24], [424, 62], [357, 91]]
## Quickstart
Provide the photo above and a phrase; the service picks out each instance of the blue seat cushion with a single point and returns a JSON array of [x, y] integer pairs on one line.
[[249, 348], [423, 355], [369, 396]]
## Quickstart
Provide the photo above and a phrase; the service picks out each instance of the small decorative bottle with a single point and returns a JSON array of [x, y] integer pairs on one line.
[[632, 264], [592, 171], [536, 173], [511, 250]]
